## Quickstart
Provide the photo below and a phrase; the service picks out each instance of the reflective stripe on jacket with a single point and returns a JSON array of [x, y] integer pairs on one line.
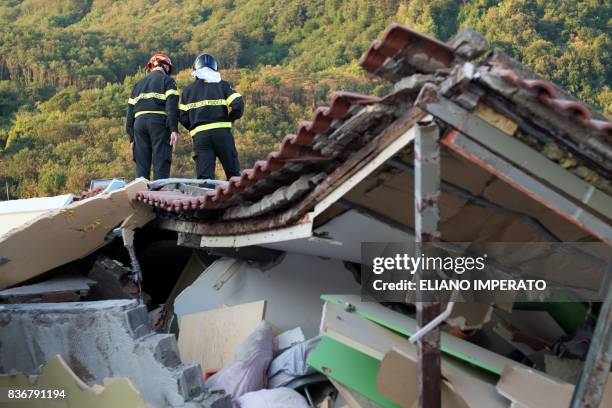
[[206, 105], [156, 94]]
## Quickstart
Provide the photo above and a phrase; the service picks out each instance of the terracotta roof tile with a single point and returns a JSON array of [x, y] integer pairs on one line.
[[294, 147], [548, 95], [89, 193], [413, 52], [401, 41], [398, 39]]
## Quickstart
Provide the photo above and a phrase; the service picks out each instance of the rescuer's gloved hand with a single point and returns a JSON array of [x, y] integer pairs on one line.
[[174, 136]]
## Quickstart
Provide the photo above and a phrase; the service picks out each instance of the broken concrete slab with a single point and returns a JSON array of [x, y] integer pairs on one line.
[[98, 340], [14, 213], [76, 231], [65, 288], [214, 399], [57, 375]]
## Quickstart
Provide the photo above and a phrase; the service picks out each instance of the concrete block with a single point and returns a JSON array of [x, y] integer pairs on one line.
[[164, 347], [189, 380], [216, 399], [138, 321]]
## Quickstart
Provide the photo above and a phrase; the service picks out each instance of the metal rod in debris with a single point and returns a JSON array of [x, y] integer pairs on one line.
[[596, 370], [128, 241], [438, 320], [426, 194]]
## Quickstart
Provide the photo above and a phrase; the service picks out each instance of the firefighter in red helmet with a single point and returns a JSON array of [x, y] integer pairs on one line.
[[152, 119]]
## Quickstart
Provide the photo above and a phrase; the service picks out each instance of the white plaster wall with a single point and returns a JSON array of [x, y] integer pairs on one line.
[[292, 290], [346, 233]]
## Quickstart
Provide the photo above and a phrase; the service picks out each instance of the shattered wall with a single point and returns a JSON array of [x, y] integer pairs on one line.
[[292, 289], [98, 340]]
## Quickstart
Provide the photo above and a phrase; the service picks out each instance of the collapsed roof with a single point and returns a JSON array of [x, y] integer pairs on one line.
[[522, 159]]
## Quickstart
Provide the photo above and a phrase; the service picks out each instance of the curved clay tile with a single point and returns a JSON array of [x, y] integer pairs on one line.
[[397, 37], [293, 147], [547, 93], [574, 108]]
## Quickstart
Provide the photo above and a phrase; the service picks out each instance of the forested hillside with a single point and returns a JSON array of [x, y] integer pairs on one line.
[[66, 67]]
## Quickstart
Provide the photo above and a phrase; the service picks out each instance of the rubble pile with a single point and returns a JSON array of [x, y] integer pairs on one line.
[[249, 292]]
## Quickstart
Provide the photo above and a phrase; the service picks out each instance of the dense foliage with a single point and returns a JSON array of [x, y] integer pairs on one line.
[[66, 67]]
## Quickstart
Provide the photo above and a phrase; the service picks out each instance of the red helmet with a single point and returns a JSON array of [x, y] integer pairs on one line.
[[158, 60]]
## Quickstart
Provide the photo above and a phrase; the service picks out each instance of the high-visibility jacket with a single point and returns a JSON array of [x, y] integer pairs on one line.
[[209, 105], [155, 94]]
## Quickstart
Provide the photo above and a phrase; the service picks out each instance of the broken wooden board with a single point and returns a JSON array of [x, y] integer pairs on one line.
[[406, 326], [56, 375], [67, 234], [65, 288], [349, 367], [352, 398], [192, 270], [211, 338], [397, 380], [291, 289], [467, 316], [326, 403], [473, 384], [527, 388]]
